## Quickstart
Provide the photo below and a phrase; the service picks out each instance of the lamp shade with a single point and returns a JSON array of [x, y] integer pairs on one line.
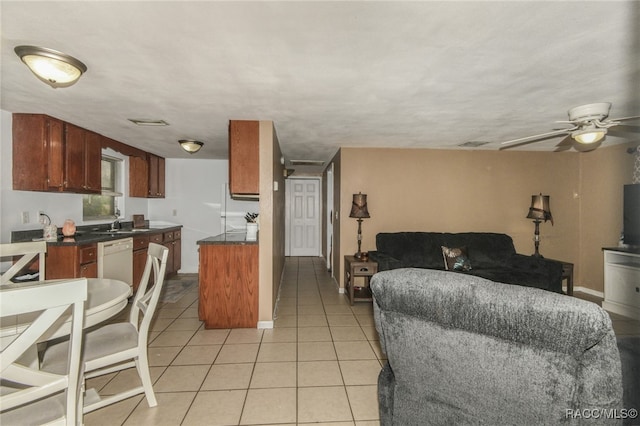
[[190, 145], [540, 209], [55, 68], [359, 206]]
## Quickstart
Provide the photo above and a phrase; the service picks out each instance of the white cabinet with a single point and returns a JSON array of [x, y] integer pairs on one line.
[[622, 282]]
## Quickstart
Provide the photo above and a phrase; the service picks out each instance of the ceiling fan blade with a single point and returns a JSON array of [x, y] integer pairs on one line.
[[635, 117], [623, 129], [565, 144], [535, 138]]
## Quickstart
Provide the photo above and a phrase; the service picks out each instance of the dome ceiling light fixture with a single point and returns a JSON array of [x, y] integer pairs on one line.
[[55, 68], [190, 145]]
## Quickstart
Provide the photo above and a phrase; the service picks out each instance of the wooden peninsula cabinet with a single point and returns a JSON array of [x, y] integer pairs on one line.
[[244, 158], [228, 280]]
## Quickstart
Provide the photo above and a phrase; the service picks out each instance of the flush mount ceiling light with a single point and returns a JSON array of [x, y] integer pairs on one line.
[[589, 134], [55, 68], [190, 145]]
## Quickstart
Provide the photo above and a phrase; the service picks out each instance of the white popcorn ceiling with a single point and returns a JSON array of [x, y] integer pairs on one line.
[[329, 74]]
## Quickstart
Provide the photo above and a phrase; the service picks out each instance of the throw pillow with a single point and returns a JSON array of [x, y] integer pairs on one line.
[[456, 259]]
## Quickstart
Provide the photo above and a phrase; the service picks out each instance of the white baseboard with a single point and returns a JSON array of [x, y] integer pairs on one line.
[[265, 324], [589, 291]]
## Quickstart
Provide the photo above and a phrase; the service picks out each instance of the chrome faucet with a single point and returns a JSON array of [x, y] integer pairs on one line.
[[115, 225]]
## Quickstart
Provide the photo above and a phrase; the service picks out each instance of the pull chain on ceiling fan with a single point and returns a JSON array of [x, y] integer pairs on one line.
[[590, 126]]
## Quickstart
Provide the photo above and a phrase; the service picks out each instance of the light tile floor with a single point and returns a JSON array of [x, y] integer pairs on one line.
[[319, 364]]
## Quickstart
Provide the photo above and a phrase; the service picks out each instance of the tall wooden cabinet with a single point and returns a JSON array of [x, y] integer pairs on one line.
[[244, 158]]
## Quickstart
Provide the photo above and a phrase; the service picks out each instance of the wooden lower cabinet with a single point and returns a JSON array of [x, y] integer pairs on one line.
[[140, 244], [228, 280], [72, 261]]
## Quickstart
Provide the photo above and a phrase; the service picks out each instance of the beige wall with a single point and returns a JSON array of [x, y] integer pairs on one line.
[[455, 191], [271, 237], [603, 174]]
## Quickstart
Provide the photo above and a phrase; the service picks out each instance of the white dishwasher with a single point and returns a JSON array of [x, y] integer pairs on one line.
[[115, 260]]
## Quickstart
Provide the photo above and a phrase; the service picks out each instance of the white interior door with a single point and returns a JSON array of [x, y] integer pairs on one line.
[[304, 217]]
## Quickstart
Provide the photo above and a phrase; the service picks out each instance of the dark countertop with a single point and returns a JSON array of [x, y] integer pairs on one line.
[[227, 239], [87, 235], [627, 249]]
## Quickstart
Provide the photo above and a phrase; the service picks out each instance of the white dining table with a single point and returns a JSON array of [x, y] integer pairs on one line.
[[105, 298]]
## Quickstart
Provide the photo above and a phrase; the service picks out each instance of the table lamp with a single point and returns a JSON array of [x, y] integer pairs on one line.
[[539, 211], [359, 211]]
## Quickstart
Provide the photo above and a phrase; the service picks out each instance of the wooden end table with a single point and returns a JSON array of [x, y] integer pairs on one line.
[[358, 268], [567, 274]]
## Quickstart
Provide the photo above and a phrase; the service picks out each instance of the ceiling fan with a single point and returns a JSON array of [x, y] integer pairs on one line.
[[590, 124]]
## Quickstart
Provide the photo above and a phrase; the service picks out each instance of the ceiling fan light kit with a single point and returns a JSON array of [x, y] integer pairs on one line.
[[590, 125], [55, 68], [589, 135]]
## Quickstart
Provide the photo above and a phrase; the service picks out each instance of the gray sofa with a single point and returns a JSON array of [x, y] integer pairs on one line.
[[465, 350], [488, 255]]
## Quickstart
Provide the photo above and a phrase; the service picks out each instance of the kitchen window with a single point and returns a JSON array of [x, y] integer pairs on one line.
[[105, 205]]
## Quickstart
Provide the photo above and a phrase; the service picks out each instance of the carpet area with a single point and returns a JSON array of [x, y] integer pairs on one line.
[[175, 289]]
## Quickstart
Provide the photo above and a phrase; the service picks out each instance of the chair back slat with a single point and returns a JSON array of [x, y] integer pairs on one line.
[[148, 294], [50, 300], [28, 251]]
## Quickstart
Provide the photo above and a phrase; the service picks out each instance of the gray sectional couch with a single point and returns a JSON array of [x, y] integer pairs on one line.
[[464, 350]]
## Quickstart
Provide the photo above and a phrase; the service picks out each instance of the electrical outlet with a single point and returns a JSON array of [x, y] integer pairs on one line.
[[25, 217], [175, 212], [42, 219]]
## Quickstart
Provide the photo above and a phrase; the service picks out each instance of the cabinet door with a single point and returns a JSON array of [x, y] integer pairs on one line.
[[177, 255], [138, 177], [89, 270], [161, 171], [83, 156], [37, 140], [169, 269], [74, 158], [153, 175], [244, 159], [55, 154], [93, 162], [139, 262]]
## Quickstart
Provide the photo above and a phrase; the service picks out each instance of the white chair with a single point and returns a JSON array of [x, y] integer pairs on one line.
[[118, 346], [29, 396], [28, 251]]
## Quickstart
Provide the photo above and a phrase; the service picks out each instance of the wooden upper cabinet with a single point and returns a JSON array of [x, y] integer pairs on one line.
[[51, 155], [244, 158], [38, 153], [138, 177], [83, 155], [146, 176], [156, 176]]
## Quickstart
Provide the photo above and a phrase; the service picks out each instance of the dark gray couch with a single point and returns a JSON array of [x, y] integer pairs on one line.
[[464, 350], [491, 255]]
